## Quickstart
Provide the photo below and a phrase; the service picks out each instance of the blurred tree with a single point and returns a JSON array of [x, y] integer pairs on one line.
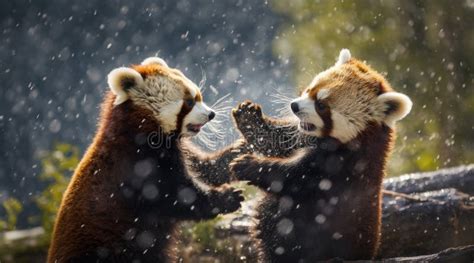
[[12, 208], [57, 168], [427, 49]]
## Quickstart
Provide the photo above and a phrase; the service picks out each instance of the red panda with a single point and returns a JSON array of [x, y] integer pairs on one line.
[[324, 200], [132, 186]]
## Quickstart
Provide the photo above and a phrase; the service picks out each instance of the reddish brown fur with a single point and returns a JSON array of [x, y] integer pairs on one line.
[[357, 74], [376, 143], [198, 97], [157, 69], [81, 218], [94, 213], [357, 215], [151, 70], [358, 185], [90, 214]]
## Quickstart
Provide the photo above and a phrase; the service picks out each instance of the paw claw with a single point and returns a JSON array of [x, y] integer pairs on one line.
[[247, 109]]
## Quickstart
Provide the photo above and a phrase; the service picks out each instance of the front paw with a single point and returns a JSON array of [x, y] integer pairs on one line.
[[247, 115], [244, 166], [227, 201]]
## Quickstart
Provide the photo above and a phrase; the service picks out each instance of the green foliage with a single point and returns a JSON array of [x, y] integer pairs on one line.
[[201, 243], [58, 167], [205, 235], [12, 208], [426, 49], [23, 251]]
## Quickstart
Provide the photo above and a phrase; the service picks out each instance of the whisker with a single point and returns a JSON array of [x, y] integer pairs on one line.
[[282, 103], [223, 109], [281, 97], [221, 99], [224, 105], [213, 134], [203, 80]]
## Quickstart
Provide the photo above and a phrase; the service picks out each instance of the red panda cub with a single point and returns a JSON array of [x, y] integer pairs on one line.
[[324, 201], [132, 186]]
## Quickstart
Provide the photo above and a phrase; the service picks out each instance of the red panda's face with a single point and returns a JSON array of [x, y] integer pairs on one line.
[[341, 101], [174, 100]]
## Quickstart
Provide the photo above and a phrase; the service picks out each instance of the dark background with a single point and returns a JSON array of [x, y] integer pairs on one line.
[[55, 59]]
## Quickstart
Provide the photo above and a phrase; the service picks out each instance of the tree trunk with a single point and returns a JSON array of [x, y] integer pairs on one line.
[[460, 178], [421, 215]]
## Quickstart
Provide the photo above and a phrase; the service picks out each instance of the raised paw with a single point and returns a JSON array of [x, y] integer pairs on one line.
[[247, 108], [244, 166], [248, 116], [227, 201]]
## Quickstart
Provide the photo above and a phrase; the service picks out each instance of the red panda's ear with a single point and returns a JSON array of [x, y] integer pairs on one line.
[[120, 80], [344, 56], [396, 106], [154, 60]]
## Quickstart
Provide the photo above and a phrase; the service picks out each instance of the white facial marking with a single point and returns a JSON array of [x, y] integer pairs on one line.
[[164, 96], [352, 107], [318, 77], [154, 60], [169, 115], [198, 115], [160, 95], [342, 129], [323, 93], [344, 56], [115, 81], [307, 113], [193, 90]]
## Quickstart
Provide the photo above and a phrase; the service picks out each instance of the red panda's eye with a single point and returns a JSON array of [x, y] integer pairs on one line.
[[189, 102], [320, 106]]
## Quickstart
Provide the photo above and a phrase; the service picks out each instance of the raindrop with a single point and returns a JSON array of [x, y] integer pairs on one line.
[[325, 184], [320, 219], [337, 235], [279, 250], [150, 191], [130, 234], [276, 186], [285, 226], [143, 168], [145, 239], [286, 203], [187, 196], [55, 126]]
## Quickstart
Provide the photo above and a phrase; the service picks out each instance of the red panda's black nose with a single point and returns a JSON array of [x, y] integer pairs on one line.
[[212, 115], [294, 107]]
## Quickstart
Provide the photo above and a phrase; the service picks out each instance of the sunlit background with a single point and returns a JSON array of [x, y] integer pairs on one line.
[[55, 55]]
